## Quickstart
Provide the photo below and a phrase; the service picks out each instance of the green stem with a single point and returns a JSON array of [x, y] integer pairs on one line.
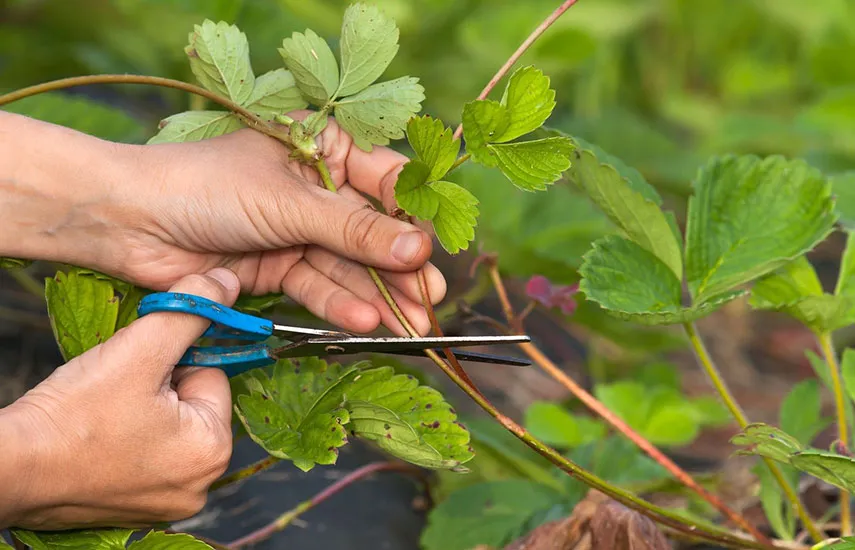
[[249, 118], [245, 473], [738, 414], [463, 158], [28, 282], [827, 346]]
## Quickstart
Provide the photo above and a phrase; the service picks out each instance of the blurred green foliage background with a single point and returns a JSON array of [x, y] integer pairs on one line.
[[661, 84]]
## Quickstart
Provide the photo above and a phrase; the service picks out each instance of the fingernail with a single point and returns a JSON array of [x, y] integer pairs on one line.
[[225, 277], [406, 246]]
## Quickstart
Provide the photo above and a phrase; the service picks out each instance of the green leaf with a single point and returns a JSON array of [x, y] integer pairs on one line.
[[296, 410], [258, 304], [529, 102], [843, 186], [532, 165], [82, 309], [778, 512], [491, 514], [195, 126], [311, 61], [369, 42], [553, 425], [833, 468], [749, 216], [101, 539], [669, 425], [764, 440], [128, 306], [219, 57], [845, 286], [14, 263], [158, 540], [801, 413], [795, 290], [380, 112], [820, 368], [413, 193], [409, 421], [634, 285], [433, 143], [483, 121], [275, 93], [81, 114], [4, 546], [638, 217], [456, 216], [316, 122]]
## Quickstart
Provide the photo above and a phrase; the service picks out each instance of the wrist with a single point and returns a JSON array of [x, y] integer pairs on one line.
[[64, 196]]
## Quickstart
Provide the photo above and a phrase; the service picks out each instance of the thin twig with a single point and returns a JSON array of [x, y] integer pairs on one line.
[[288, 517], [536, 355], [738, 414], [827, 346], [249, 118], [521, 50], [244, 473]]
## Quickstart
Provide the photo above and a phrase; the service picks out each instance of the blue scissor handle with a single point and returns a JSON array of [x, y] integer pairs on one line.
[[226, 322], [233, 360]]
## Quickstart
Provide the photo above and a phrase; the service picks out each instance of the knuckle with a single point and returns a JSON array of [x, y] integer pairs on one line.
[[359, 228], [341, 270]]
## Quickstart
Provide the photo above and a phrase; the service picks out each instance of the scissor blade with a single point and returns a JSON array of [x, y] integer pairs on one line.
[[395, 346], [285, 331]]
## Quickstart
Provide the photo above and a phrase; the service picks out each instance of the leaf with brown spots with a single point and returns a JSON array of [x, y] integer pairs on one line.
[[294, 410], [409, 421]]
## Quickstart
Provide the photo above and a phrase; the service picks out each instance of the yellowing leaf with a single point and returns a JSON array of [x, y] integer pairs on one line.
[[219, 57], [433, 143], [455, 217], [83, 311], [101, 539], [532, 165], [409, 421], [195, 126], [380, 112], [311, 61], [158, 540], [412, 192], [275, 93], [529, 102], [749, 216], [296, 411], [369, 42]]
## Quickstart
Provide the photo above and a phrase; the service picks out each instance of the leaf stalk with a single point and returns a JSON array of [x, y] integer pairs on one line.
[[704, 358], [826, 344]]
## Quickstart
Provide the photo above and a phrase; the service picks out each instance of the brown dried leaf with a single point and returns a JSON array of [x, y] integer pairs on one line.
[[597, 523]]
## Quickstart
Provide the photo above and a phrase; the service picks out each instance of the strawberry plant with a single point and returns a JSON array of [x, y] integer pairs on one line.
[[749, 224]]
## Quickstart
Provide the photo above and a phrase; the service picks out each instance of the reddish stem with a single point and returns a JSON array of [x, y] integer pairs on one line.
[[616, 422], [521, 50], [285, 519]]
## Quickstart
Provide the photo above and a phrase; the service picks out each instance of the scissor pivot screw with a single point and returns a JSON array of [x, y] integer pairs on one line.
[[334, 349]]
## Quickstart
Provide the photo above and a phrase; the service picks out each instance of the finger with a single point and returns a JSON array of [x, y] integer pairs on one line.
[[158, 340], [373, 173], [328, 300], [205, 389], [360, 233], [355, 278]]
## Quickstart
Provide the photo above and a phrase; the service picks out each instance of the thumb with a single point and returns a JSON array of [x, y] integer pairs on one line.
[[357, 231], [158, 340]]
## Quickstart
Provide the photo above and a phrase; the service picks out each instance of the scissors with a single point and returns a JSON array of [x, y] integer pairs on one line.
[[228, 323]]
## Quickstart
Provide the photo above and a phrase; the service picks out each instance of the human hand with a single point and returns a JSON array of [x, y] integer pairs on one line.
[[239, 201], [118, 436]]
